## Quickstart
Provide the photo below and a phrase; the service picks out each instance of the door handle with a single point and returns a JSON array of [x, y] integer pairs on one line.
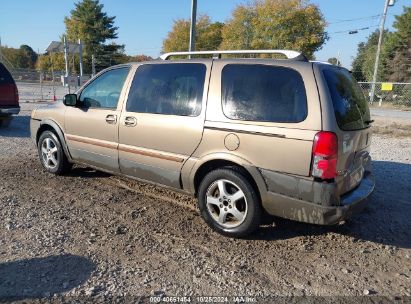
[[111, 119], [130, 121]]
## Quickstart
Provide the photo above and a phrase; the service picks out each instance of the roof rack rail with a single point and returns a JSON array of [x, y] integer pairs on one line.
[[319, 61], [217, 54]]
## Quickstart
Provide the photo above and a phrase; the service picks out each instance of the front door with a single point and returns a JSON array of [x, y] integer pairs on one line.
[[162, 122], [92, 126]]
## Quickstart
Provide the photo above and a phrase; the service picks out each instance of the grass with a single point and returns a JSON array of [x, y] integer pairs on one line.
[[392, 129]]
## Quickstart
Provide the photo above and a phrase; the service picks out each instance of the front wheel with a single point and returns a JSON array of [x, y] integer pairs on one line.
[[229, 203], [51, 154]]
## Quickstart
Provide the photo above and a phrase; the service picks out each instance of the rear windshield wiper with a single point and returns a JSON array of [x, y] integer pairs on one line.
[[369, 121]]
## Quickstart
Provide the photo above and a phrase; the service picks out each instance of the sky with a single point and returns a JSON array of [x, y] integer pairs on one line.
[[143, 25]]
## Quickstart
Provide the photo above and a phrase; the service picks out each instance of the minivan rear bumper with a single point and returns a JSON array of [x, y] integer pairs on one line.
[[309, 212], [9, 110]]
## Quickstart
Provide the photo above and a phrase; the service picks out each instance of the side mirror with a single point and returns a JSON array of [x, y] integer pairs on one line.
[[70, 100]]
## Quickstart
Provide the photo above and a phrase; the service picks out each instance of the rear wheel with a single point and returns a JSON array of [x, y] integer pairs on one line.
[[229, 203], [51, 154]]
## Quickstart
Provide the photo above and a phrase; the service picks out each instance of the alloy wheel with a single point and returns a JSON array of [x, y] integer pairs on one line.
[[49, 153], [226, 203]]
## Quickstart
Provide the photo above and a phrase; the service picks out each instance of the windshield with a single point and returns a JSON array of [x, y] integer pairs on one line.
[[350, 106]]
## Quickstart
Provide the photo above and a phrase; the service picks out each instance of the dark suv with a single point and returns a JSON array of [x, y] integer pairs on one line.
[[9, 97]]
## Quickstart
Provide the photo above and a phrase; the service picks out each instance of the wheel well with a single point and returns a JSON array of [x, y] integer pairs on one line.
[[43, 128], [218, 164]]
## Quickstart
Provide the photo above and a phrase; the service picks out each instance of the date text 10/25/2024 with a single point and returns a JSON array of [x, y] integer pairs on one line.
[[203, 299]]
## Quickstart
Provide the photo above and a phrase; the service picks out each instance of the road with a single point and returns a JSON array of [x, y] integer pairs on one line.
[[391, 113]]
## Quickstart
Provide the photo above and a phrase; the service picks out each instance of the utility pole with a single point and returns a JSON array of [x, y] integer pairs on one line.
[[93, 65], [1, 56], [52, 76], [41, 77], [66, 61], [377, 56], [66, 54], [81, 57], [193, 25]]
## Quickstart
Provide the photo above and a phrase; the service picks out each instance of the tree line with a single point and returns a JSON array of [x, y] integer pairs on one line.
[[260, 24], [88, 22], [24, 57], [395, 58]]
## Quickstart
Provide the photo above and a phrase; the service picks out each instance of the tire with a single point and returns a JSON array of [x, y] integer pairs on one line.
[[51, 153], [5, 121], [237, 211]]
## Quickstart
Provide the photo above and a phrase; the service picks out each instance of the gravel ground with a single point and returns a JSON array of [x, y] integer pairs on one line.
[[90, 234]]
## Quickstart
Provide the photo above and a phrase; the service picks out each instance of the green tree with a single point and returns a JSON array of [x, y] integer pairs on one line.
[[400, 68], [239, 31], [276, 24], [29, 57], [363, 64], [208, 36], [399, 57], [11, 56], [402, 24], [334, 61], [21, 58], [94, 27], [136, 58], [395, 56], [358, 63], [109, 55], [139, 58], [51, 61]]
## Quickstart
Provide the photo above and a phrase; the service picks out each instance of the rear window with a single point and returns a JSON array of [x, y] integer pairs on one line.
[[263, 93], [350, 106], [5, 76]]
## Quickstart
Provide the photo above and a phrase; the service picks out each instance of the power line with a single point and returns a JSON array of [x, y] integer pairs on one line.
[[360, 18], [355, 19], [354, 30]]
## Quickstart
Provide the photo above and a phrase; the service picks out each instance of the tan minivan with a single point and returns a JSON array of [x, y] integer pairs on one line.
[[243, 135]]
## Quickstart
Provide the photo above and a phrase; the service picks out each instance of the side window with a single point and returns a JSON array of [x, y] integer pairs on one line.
[[263, 93], [105, 90], [170, 89]]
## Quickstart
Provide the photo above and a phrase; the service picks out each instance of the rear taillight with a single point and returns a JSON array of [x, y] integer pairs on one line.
[[325, 152], [16, 94]]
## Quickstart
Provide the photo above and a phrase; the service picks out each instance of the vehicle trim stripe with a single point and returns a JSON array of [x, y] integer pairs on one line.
[[135, 150], [124, 148], [95, 142], [245, 132]]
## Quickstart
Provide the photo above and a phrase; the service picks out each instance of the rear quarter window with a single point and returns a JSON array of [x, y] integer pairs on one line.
[[350, 106], [263, 93], [5, 76]]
